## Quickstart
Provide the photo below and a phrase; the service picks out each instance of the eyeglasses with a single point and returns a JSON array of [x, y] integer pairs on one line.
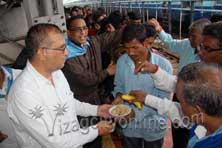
[[79, 29], [201, 47], [58, 49]]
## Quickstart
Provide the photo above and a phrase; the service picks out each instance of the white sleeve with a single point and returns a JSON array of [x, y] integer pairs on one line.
[[164, 81], [165, 107], [38, 124], [85, 109]]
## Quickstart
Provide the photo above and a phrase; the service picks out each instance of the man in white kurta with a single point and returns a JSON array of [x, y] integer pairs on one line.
[[41, 104]]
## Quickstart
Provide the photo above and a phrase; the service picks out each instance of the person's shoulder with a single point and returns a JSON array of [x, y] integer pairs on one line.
[[186, 43], [160, 58], [123, 58], [24, 80], [213, 141], [16, 72]]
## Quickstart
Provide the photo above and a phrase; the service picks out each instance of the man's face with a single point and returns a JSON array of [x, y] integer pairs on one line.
[[78, 31], [148, 43], [135, 50], [195, 38], [210, 50], [56, 52]]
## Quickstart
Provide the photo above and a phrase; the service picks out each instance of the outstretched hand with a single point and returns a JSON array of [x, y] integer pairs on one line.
[[104, 127], [111, 69], [103, 110], [118, 99]]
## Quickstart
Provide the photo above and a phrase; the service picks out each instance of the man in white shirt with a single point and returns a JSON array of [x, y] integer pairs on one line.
[[41, 104]]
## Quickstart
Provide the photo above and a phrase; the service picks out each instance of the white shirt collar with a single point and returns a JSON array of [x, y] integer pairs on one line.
[[40, 79], [200, 131]]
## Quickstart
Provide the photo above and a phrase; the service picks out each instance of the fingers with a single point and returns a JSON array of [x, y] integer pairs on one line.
[[117, 101], [105, 127], [111, 69], [139, 95], [153, 21], [134, 92], [111, 63], [140, 68]]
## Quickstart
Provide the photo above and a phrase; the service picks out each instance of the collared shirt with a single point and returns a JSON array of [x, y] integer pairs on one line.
[[146, 124], [75, 50], [213, 140], [181, 47], [44, 114]]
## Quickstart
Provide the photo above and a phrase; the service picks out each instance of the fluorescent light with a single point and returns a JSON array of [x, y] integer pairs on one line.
[[69, 1]]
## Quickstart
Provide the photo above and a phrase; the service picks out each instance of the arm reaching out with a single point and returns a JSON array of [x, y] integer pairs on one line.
[[164, 106], [162, 80]]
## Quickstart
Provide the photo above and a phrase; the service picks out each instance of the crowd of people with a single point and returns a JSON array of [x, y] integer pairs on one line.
[[59, 91]]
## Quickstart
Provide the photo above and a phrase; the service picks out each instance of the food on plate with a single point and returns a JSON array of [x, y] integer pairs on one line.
[[120, 110]]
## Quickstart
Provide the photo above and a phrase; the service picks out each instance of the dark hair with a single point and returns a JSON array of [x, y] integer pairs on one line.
[[88, 19], [116, 19], [73, 18], [97, 14], [38, 36], [216, 17], [214, 30], [134, 15], [101, 10], [150, 30], [134, 31], [74, 8], [203, 86]]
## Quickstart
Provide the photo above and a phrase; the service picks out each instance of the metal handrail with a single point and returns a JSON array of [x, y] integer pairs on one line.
[[183, 9]]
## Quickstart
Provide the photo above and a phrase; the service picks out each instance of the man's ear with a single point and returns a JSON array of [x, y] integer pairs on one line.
[[144, 43], [199, 115], [197, 109], [41, 53]]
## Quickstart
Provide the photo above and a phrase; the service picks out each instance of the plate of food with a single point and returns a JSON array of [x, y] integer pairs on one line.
[[120, 110]]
